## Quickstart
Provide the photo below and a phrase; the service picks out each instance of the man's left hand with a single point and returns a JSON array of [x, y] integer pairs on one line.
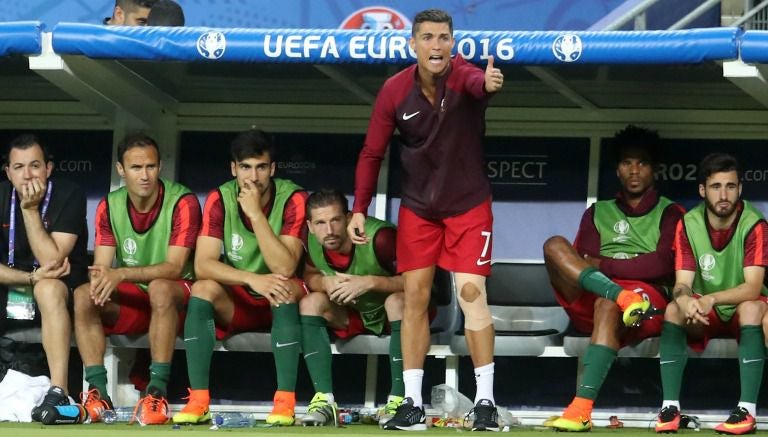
[[349, 289]]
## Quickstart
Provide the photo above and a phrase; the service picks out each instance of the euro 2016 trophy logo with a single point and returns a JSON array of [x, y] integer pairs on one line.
[[376, 18], [211, 45], [567, 47]]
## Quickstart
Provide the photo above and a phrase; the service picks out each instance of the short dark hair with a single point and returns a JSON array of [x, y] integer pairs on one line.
[[717, 163], [131, 4], [23, 142], [250, 144], [135, 139], [637, 142], [326, 197], [166, 13], [432, 16]]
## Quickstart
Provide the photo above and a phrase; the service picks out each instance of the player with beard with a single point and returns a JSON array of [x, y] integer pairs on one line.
[[721, 254], [617, 267], [354, 290]]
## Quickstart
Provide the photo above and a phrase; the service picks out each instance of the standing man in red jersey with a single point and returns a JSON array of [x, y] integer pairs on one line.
[[438, 106]]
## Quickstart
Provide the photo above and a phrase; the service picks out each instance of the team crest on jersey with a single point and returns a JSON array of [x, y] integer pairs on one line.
[[236, 244], [129, 250], [621, 228], [567, 47], [211, 45], [707, 263]]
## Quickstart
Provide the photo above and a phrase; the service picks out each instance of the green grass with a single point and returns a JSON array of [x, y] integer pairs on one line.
[[122, 430]]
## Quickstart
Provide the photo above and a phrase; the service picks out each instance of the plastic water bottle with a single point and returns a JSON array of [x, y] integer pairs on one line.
[[234, 420], [449, 401], [369, 416], [117, 415]]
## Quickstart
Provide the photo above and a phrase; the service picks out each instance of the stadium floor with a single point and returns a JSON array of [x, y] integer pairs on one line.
[[37, 430]]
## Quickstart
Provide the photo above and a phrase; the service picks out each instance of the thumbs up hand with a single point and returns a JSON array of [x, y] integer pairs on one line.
[[494, 79]]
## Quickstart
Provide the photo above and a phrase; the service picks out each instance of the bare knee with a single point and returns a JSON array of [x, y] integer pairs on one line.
[[673, 313], [50, 294], [207, 289], [555, 246], [750, 312], [314, 304], [416, 297], [82, 299], [606, 310], [393, 305], [164, 294]]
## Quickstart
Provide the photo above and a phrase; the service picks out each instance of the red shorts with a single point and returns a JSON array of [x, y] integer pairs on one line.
[[252, 313], [461, 243], [718, 328], [581, 311], [135, 311], [356, 327]]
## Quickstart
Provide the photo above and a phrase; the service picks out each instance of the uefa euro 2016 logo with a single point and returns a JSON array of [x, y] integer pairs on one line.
[[567, 47], [211, 45], [707, 263], [129, 246], [376, 18], [621, 228], [237, 242]]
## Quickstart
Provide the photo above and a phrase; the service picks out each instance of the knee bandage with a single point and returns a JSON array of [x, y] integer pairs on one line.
[[474, 303]]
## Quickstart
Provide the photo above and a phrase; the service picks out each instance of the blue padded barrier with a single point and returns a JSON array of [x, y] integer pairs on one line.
[[22, 37], [330, 46], [754, 46]]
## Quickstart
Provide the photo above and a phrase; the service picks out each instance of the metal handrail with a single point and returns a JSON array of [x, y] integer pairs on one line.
[[751, 13]]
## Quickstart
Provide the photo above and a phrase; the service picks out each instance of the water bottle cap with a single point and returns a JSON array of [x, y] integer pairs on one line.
[[219, 420]]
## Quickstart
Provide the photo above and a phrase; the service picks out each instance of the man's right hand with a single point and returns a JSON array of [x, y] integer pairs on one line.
[[51, 270], [32, 194], [104, 281], [356, 228], [695, 310], [275, 288], [249, 199]]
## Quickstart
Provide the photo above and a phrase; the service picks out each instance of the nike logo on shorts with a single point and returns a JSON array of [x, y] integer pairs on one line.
[[667, 362], [407, 117], [481, 262], [746, 361], [190, 339], [278, 344], [311, 353], [397, 359]]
